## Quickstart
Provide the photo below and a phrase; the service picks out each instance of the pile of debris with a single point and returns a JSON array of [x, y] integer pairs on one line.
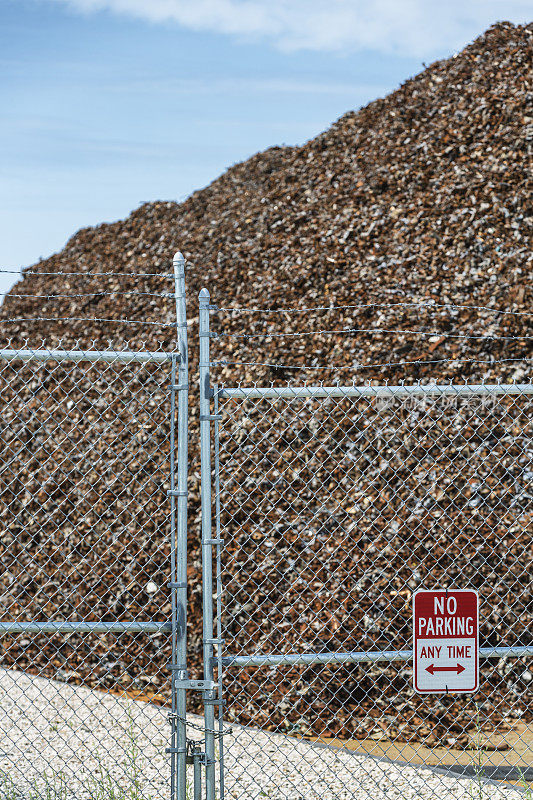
[[410, 214]]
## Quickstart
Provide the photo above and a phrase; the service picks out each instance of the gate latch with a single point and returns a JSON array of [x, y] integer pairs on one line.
[[195, 685]]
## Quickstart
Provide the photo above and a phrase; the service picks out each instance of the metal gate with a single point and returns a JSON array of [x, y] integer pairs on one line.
[[93, 510], [323, 509]]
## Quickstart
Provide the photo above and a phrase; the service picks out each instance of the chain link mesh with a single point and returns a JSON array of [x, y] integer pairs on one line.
[[333, 511], [85, 521]]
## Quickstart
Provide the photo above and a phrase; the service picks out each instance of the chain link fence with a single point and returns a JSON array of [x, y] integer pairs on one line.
[[332, 505], [323, 509], [85, 470], [335, 506]]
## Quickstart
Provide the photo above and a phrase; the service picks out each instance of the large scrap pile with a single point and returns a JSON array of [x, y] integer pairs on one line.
[[420, 197]]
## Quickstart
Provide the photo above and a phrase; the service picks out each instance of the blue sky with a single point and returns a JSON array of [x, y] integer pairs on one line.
[[108, 103]]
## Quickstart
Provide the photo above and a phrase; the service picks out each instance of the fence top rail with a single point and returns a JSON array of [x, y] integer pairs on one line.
[[356, 657], [109, 356], [457, 390], [51, 627]]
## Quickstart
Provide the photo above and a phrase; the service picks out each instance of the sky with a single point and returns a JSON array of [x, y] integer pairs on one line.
[[105, 104]]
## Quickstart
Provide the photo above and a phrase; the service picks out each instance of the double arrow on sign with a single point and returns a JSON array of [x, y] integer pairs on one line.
[[432, 669]]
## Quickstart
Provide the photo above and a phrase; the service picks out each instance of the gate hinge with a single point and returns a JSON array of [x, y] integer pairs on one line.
[[210, 417]]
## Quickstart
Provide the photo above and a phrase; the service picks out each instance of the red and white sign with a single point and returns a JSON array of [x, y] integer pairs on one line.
[[445, 641]]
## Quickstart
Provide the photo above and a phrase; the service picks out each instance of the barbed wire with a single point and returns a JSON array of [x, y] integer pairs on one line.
[[420, 304], [88, 319], [88, 294], [352, 366], [23, 274], [372, 330]]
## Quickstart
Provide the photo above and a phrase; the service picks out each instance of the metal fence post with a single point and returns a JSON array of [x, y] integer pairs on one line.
[[207, 557], [197, 772], [178, 491]]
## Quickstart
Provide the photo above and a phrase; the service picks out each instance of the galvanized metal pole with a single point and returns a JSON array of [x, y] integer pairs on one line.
[[207, 556], [53, 626], [106, 356], [179, 576], [387, 392], [197, 772], [173, 716], [219, 590], [357, 657]]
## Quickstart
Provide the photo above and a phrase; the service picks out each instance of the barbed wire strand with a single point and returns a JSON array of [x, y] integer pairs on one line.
[[89, 319], [89, 294], [372, 330], [368, 366], [372, 305], [23, 274]]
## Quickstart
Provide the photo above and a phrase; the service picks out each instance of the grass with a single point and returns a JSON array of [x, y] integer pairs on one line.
[[477, 792], [528, 792], [480, 790], [101, 785], [54, 786]]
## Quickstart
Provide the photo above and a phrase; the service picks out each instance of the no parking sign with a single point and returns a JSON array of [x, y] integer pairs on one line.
[[445, 641]]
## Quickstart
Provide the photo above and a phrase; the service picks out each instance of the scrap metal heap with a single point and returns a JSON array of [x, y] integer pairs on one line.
[[420, 197]]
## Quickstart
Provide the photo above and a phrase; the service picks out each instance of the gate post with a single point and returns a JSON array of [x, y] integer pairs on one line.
[[178, 577], [207, 541]]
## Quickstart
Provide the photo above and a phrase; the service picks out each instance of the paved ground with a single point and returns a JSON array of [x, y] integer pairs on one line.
[[66, 740]]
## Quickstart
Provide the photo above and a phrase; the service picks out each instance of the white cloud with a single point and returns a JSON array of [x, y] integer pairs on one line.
[[407, 27]]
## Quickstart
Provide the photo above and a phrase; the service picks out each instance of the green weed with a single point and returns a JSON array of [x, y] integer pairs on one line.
[[102, 785]]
